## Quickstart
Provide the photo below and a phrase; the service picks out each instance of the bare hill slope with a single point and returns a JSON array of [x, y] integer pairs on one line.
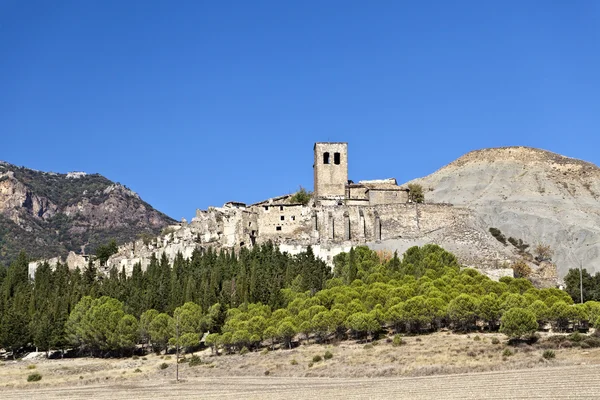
[[529, 194]]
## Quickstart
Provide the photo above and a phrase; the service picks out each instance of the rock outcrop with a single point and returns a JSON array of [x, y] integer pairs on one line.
[[48, 214]]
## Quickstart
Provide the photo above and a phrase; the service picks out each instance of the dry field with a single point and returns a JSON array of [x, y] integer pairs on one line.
[[440, 366]]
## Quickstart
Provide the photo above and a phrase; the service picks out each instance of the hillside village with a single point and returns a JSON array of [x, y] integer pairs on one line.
[[340, 214]]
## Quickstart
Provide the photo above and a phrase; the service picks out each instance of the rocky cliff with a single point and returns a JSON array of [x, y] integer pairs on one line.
[[48, 214], [528, 194]]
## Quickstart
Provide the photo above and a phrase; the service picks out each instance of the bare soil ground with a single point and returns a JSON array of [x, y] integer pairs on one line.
[[440, 366], [543, 383]]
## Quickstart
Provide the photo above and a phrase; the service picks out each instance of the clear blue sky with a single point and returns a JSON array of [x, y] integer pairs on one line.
[[197, 103]]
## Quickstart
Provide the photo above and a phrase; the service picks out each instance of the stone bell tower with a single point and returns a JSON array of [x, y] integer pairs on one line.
[[331, 170]]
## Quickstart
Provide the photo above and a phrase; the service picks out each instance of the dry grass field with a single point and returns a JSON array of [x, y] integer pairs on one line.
[[441, 366]]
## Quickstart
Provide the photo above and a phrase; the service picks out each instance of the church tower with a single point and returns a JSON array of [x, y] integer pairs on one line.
[[331, 170]]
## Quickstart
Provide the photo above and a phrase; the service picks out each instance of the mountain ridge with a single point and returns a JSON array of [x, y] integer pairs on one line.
[[49, 214]]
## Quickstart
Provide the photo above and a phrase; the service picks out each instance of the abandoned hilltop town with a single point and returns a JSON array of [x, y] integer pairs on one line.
[[340, 214]]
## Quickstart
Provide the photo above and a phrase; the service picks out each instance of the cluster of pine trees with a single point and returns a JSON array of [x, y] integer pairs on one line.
[[262, 297], [576, 280], [424, 292], [49, 311]]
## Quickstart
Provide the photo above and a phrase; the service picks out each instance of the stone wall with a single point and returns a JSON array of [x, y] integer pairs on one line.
[[281, 220], [377, 197]]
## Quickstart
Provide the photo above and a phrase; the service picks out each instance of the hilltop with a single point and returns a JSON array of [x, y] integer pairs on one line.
[[49, 214], [529, 194]]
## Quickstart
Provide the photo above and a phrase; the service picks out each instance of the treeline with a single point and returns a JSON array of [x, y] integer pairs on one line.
[[424, 292], [265, 298], [36, 311]]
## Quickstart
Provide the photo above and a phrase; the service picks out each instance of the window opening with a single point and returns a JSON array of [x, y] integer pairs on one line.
[[336, 158], [282, 218], [325, 158], [278, 228]]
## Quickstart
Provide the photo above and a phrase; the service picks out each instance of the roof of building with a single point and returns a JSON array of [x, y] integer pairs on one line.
[[273, 200], [389, 184], [235, 204]]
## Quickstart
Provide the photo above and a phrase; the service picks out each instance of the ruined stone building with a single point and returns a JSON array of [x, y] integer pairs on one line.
[[339, 215], [339, 211]]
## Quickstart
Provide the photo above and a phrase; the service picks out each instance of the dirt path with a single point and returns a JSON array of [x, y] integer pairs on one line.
[[580, 382]]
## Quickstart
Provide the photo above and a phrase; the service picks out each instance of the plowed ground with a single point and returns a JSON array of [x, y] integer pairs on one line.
[[580, 382]]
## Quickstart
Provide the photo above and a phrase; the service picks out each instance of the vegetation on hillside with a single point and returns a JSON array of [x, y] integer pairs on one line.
[[63, 191], [262, 297], [56, 235]]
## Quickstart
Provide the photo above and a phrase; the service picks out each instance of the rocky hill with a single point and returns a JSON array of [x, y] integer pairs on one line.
[[49, 214], [528, 194]]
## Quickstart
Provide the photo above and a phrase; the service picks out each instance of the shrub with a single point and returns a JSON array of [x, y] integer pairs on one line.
[[415, 193], [137, 370], [477, 338], [294, 362], [31, 366], [317, 358], [507, 353], [592, 342], [265, 351], [397, 341], [498, 235], [584, 345], [328, 355], [167, 357], [195, 361], [548, 354], [164, 366], [543, 252], [135, 358], [34, 377], [267, 373], [495, 340], [368, 346], [576, 337], [565, 345], [301, 197], [244, 350], [144, 359], [521, 269], [310, 364]]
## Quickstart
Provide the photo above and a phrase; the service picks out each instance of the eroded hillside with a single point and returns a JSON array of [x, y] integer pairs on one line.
[[529, 194]]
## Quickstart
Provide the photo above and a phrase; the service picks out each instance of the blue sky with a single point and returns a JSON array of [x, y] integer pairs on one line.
[[197, 103]]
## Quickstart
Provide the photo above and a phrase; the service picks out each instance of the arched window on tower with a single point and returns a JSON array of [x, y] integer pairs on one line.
[[326, 158], [336, 158]]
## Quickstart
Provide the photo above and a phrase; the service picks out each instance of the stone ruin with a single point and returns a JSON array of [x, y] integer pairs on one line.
[[340, 214]]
